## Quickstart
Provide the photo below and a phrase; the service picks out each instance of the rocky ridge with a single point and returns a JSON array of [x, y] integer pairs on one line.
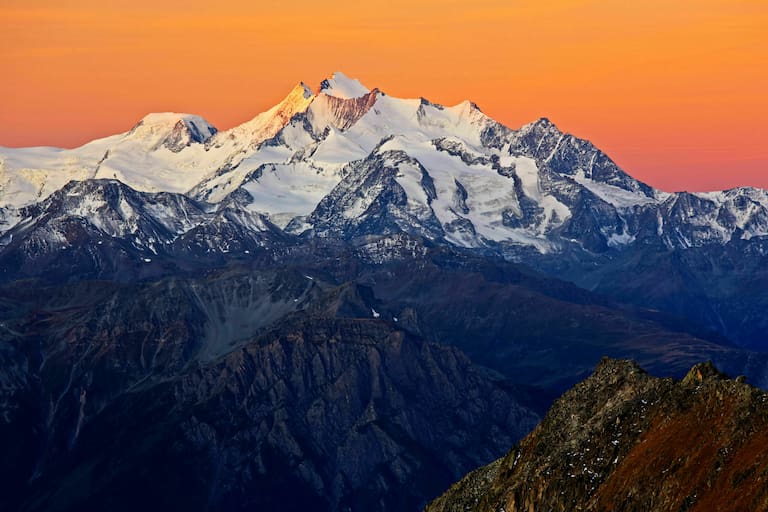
[[624, 440]]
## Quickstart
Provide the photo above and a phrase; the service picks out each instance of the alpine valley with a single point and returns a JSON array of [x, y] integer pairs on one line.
[[346, 303]]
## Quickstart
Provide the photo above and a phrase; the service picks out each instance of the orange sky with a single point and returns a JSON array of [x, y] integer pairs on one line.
[[674, 91]]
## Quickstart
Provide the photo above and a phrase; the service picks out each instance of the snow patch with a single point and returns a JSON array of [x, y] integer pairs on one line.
[[618, 240], [285, 191], [616, 196]]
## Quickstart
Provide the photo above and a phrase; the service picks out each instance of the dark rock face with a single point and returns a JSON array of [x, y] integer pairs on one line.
[[326, 414], [186, 132], [310, 386], [300, 383], [539, 332], [565, 154], [233, 391], [346, 111], [718, 287], [623, 440], [369, 200]]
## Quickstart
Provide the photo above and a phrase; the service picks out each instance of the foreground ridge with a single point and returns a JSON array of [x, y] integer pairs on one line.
[[624, 440]]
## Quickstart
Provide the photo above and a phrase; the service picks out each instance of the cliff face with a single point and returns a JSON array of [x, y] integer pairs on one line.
[[623, 440], [316, 413]]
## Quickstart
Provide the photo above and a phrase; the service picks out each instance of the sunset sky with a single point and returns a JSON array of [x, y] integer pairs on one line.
[[674, 91]]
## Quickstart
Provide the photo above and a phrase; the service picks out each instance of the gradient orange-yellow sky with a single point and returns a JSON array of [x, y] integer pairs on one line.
[[674, 91]]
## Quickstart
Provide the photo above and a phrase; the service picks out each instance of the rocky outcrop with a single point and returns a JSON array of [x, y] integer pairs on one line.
[[623, 440], [341, 113], [370, 200]]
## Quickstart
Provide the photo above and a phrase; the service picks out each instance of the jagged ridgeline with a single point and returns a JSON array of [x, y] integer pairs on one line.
[[623, 440], [348, 162], [346, 303]]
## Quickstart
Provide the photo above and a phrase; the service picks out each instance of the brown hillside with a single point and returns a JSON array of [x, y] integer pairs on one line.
[[623, 440]]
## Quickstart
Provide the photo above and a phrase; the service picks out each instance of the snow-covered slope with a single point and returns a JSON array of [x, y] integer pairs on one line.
[[167, 152], [162, 152], [340, 85], [28, 175], [352, 161]]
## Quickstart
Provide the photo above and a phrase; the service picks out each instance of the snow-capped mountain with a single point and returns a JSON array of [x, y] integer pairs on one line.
[[348, 164], [350, 161], [98, 227]]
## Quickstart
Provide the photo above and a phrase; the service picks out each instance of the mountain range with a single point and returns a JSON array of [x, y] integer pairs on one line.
[[349, 162], [347, 302]]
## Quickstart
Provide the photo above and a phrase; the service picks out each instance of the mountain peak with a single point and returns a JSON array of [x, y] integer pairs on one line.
[[158, 121], [703, 372], [341, 86], [173, 129], [541, 124], [297, 101], [301, 89], [610, 366], [267, 124], [470, 105]]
